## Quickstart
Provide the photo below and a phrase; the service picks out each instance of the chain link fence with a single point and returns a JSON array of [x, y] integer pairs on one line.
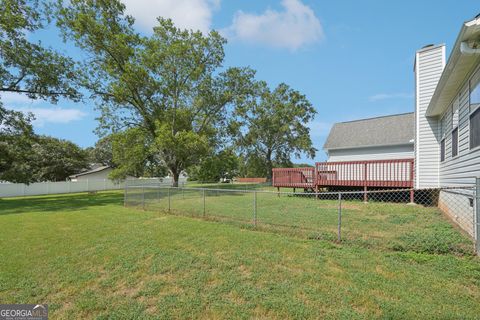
[[438, 221]]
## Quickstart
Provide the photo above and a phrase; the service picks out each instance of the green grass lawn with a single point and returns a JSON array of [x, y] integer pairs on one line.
[[89, 257], [375, 224]]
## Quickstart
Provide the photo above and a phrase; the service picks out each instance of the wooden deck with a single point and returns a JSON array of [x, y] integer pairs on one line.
[[396, 173]]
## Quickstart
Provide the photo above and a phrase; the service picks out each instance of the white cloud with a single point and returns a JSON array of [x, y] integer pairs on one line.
[[13, 98], [319, 129], [385, 96], [186, 14], [53, 115], [292, 28]]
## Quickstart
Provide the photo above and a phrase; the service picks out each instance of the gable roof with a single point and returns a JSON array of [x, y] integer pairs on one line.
[[98, 169], [395, 129]]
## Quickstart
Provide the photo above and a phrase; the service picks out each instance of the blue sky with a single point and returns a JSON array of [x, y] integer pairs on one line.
[[353, 59]]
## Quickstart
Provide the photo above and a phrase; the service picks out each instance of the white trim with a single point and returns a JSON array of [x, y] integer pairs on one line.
[[476, 106], [417, 123], [469, 125], [444, 63]]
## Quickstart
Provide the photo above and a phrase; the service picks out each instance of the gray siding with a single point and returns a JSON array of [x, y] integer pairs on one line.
[[372, 153], [462, 169], [429, 64]]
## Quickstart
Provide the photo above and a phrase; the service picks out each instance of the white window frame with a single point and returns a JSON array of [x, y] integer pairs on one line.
[[455, 109], [472, 107]]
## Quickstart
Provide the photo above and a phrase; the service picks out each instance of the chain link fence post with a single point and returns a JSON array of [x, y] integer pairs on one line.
[[477, 215], [339, 217], [143, 197], [125, 195], [204, 211], [254, 208], [169, 204]]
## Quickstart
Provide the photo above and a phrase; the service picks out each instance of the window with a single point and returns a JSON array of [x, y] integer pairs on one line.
[[442, 150], [455, 142], [443, 126], [474, 113], [475, 91], [475, 129]]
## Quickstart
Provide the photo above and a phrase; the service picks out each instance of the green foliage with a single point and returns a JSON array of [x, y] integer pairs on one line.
[[274, 126], [180, 148], [16, 140], [26, 157], [168, 84], [221, 165], [302, 165], [56, 159], [133, 156], [102, 152], [254, 165], [27, 67]]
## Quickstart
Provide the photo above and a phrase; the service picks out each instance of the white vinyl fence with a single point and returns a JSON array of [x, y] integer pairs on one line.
[[42, 188]]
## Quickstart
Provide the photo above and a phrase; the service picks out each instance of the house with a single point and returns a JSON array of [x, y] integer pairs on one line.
[[442, 135], [96, 173], [380, 138], [447, 117], [437, 146]]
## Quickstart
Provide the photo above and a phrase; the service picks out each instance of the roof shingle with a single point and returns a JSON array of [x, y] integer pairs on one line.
[[387, 130]]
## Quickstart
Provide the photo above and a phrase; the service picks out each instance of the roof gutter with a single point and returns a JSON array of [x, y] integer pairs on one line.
[[466, 48]]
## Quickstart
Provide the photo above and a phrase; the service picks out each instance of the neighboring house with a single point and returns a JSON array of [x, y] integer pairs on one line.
[[98, 173], [380, 138]]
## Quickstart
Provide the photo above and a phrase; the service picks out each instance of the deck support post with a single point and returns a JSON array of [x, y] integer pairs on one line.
[[278, 192], [294, 190], [365, 194], [412, 196]]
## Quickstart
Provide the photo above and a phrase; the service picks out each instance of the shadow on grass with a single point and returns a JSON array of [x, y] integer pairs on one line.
[[62, 203]]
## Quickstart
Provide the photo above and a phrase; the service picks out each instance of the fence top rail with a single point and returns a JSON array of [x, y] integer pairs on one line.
[[303, 193], [294, 169]]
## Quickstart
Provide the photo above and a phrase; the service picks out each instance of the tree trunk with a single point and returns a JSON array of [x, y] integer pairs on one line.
[[269, 166], [175, 175]]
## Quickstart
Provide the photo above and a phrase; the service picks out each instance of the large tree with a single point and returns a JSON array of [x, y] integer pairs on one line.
[[134, 155], [16, 140], [223, 164], [28, 68], [273, 127], [56, 159], [169, 84], [102, 152]]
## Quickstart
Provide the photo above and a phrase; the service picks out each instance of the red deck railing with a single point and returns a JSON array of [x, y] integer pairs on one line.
[[293, 177], [372, 173]]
